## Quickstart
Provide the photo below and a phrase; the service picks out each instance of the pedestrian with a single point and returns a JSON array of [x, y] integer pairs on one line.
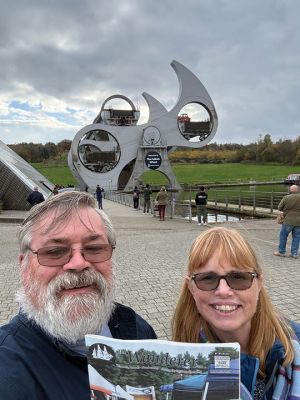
[[147, 197], [67, 291], [223, 299], [136, 197], [290, 206], [201, 201], [99, 196], [35, 197], [162, 200], [55, 190]]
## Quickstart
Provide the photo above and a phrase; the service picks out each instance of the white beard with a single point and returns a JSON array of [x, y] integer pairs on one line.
[[70, 317]]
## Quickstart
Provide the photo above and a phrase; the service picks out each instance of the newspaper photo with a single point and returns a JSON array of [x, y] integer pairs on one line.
[[162, 370]]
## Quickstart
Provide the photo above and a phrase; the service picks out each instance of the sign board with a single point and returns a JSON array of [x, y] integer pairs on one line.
[[222, 361], [153, 160]]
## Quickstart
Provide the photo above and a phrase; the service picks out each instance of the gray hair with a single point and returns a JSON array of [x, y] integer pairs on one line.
[[63, 206], [294, 189]]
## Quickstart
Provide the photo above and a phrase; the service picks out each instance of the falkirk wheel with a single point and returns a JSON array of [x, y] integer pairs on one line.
[[114, 151]]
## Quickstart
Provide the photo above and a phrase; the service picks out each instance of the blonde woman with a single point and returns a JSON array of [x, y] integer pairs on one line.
[[223, 299], [162, 199]]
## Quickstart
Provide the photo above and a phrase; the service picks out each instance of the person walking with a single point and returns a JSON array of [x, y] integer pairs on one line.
[[55, 189], [290, 206], [35, 197], [201, 201], [162, 199], [99, 196], [136, 197], [147, 196]]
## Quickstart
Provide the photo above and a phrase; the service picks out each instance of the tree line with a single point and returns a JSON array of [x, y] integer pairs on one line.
[[284, 151], [38, 152]]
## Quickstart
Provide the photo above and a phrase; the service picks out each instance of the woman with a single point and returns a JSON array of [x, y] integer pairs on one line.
[[223, 300], [136, 197], [162, 200]]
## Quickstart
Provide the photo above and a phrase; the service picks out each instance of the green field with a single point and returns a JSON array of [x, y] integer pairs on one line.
[[220, 173], [57, 174], [188, 173]]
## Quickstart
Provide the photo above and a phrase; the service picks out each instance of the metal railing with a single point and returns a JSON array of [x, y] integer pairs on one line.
[[174, 209], [245, 202]]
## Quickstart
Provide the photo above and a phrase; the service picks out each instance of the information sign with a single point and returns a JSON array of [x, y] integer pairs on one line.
[[153, 160]]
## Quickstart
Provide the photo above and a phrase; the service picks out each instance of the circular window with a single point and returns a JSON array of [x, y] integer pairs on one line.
[[194, 122], [99, 151]]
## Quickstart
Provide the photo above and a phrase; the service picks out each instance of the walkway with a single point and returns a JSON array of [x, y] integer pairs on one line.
[[150, 263]]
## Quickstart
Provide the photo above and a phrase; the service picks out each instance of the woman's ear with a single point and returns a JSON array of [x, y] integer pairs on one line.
[[190, 285], [260, 282]]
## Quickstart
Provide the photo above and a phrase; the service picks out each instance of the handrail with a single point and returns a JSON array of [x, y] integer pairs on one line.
[[174, 209], [252, 202]]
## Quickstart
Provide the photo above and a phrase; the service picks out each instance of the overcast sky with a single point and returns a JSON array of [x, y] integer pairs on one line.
[[61, 59]]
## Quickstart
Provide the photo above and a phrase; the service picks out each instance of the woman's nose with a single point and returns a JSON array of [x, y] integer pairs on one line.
[[223, 287]]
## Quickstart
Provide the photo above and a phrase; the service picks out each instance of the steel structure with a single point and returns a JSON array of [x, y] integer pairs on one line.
[[17, 180], [114, 151]]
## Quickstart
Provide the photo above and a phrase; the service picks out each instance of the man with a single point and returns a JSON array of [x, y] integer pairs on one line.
[[290, 206], [67, 291], [35, 197], [99, 196], [201, 201], [147, 196]]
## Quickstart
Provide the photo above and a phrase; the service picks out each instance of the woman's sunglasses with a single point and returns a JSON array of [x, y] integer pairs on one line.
[[235, 280]]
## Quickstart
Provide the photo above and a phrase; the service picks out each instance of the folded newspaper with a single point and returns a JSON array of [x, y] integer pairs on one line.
[[162, 370]]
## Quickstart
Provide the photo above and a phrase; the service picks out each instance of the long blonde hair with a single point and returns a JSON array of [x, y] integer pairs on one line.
[[266, 324]]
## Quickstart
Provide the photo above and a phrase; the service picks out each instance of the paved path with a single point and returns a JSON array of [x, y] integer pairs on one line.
[[150, 263]]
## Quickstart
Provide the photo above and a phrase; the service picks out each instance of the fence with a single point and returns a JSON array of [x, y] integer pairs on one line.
[[175, 209], [253, 203]]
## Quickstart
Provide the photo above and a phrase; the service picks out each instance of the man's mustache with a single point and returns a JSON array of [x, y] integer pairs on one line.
[[71, 280]]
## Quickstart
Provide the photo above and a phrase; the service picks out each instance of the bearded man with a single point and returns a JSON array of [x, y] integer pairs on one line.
[[67, 291]]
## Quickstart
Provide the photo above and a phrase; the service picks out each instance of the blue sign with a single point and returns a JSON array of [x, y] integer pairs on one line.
[[153, 160]]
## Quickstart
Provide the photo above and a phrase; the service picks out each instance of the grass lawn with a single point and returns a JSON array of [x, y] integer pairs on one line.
[[187, 173], [202, 173], [57, 174]]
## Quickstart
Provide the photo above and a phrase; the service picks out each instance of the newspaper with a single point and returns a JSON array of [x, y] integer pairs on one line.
[[162, 370]]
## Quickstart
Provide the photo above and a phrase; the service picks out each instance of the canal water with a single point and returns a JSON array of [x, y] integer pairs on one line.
[[217, 217]]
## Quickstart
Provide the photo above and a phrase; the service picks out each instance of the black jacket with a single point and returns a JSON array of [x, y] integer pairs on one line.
[[36, 367], [35, 198], [201, 198]]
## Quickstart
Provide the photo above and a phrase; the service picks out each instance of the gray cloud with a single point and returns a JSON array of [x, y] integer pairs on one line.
[[77, 53]]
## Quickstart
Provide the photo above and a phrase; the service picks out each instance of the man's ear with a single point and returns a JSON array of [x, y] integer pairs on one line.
[[21, 258]]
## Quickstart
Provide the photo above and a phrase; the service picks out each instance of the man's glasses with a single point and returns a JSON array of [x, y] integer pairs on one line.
[[235, 280], [60, 255]]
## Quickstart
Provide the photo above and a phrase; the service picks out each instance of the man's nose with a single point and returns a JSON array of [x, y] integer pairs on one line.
[[77, 262]]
